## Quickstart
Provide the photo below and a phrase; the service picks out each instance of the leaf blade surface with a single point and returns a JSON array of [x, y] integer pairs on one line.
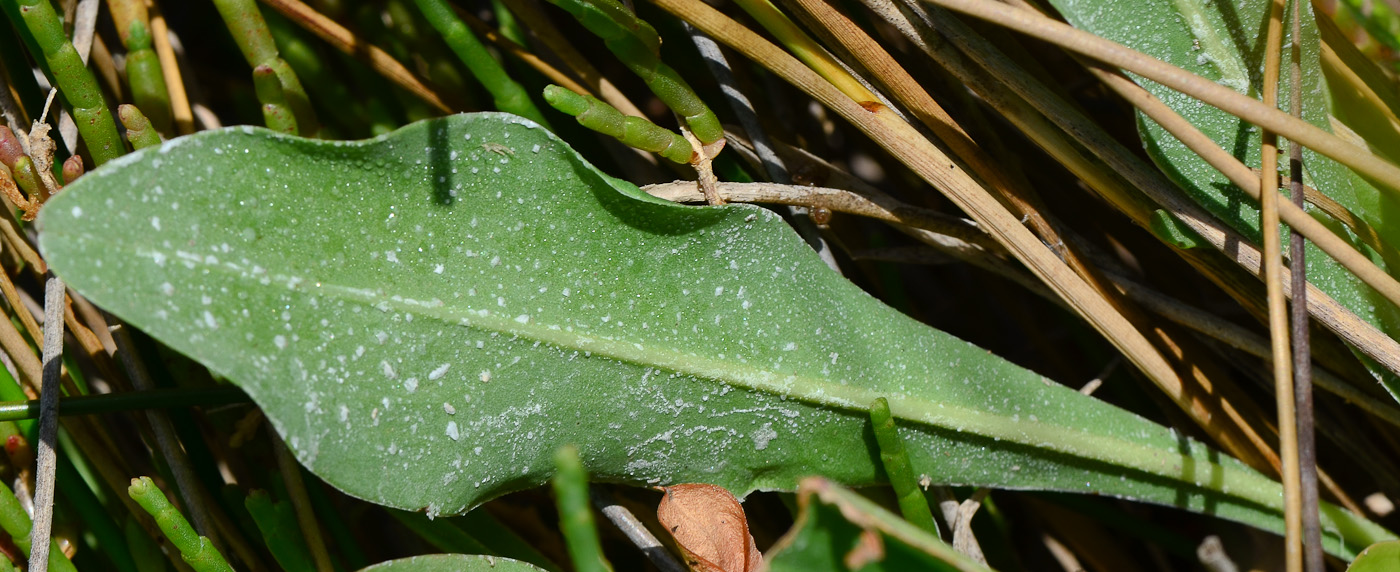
[[426, 316]]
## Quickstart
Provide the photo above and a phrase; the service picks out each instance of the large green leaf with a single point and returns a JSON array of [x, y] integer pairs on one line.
[[1379, 557], [1224, 42], [425, 317]]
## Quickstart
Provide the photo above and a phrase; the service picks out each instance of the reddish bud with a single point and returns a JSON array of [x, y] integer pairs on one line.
[[72, 169]]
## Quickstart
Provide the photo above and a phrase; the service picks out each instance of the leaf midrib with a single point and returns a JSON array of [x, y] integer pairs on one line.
[[1240, 483]]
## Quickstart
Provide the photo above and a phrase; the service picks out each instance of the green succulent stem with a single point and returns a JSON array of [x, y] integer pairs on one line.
[[197, 551], [508, 94], [597, 115], [277, 112], [250, 32], [138, 128], [575, 514], [16, 522], [74, 80], [912, 503], [147, 80], [636, 43]]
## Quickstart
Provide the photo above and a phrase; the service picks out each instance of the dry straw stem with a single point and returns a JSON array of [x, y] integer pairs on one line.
[[921, 156], [1337, 318], [346, 41], [301, 504], [878, 207], [1114, 189], [1015, 191], [1278, 308], [170, 66], [1249, 181], [1251, 110]]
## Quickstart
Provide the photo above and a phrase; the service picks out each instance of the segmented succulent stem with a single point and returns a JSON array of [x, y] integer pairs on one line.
[[147, 80], [15, 521], [74, 80], [138, 128], [912, 503], [634, 131], [197, 551], [635, 43], [17, 177], [250, 32], [276, 112]]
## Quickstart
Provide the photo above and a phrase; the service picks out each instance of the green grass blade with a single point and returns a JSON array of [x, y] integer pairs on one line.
[[575, 514]]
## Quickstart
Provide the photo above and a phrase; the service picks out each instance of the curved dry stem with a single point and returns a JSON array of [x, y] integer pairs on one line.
[[1009, 101], [1248, 181], [882, 208], [1015, 190], [1251, 110]]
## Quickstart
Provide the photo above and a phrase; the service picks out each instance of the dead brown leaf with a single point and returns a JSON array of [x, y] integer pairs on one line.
[[710, 528]]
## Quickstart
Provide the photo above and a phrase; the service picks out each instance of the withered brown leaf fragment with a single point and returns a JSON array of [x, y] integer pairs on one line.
[[710, 528]]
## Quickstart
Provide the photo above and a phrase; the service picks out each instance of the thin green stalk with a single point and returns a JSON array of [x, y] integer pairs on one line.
[[250, 32], [16, 523], [278, 524], [277, 112], [197, 551], [575, 513], [138, 128], [912, 503], [301, 506], [15, 410], [635, 43], [74, 80], [637, 132], [508, 94], [509, 25], [146, 79], [144, 75]]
